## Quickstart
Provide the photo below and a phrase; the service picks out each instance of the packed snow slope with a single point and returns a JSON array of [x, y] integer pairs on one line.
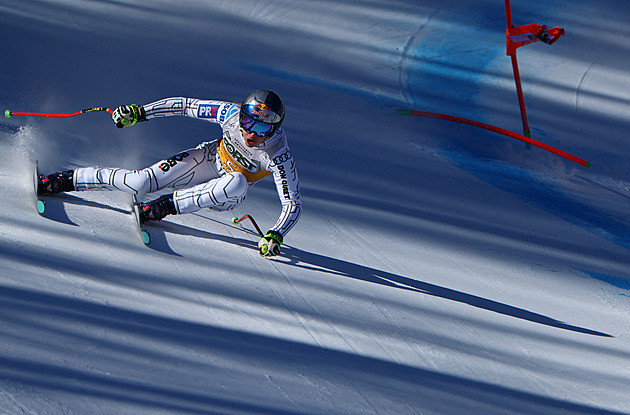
[[437, 269]]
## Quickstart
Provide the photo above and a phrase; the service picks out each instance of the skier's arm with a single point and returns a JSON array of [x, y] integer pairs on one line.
[[211, 110], [288, 187]]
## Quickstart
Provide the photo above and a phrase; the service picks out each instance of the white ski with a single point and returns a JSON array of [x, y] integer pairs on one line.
[[40, 204], [135, 208]]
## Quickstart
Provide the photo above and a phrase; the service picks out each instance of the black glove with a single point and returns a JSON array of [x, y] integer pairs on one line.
[[128, 115], [269, 245]]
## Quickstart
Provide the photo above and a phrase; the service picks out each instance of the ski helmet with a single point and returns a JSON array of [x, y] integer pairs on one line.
[[262, 112]]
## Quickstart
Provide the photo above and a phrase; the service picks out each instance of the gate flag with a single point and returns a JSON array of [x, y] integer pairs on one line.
[[530, 33]]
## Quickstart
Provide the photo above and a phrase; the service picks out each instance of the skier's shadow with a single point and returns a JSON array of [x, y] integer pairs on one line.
[[307, 260], [56, 210]]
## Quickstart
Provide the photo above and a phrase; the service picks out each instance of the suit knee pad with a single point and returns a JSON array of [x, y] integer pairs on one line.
[[235, 185]]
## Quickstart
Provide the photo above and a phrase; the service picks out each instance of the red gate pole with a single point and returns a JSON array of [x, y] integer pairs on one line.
[[517, 76], [519, 92], [508, 13]]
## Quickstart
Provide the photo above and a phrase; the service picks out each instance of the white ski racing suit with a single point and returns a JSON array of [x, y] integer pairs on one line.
[[216, 174]]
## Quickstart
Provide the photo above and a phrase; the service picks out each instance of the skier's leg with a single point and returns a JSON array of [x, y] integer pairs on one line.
[[113, 178], [222, 193], [187, 168]]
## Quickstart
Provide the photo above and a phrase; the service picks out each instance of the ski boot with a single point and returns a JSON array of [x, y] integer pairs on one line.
[[55, 183], [157, 209]]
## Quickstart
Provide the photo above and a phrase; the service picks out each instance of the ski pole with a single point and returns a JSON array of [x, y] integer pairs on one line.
[[9, 113], [236, 220]]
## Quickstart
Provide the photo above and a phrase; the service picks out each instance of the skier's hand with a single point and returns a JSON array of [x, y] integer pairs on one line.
[[128, 115], [269, 245]]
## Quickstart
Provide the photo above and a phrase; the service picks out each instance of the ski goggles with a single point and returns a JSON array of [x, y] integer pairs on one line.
[[259, 128]]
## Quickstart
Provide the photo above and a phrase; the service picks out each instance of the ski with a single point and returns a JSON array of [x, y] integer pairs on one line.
[[40, 204], [135, 209]]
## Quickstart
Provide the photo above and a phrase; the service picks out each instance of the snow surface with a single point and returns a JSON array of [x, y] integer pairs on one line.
[[437, 269]]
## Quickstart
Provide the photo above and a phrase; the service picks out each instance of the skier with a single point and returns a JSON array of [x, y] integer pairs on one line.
[[216, 174]]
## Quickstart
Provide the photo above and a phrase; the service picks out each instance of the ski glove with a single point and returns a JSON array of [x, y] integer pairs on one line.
[[128, 115], [270, 244]]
